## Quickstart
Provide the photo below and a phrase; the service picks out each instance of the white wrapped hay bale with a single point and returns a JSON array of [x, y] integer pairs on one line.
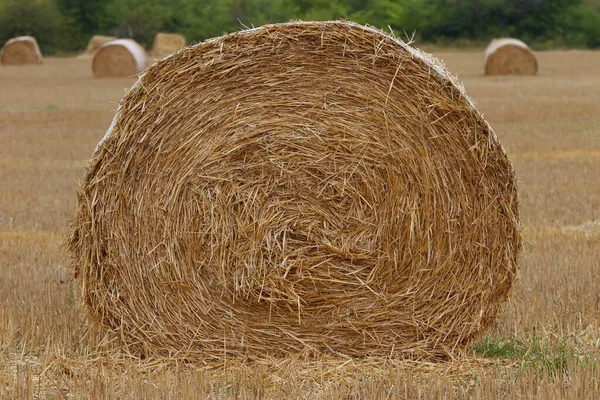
[[119, 58], [22, 50], [509, 57], [95, 43]]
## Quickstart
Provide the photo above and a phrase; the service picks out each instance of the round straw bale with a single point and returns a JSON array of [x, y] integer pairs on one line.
[[119, 58], [94, 44], [509, 57], [166, 44], [22, 50], [308, 186]]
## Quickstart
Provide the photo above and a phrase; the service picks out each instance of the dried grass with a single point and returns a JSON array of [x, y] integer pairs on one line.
[[22, 50], [119, 58], [166, 44], [275, 378], [509, 57], [307, 188], [95, 43]]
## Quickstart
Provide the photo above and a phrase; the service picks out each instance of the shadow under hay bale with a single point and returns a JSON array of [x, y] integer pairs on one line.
[[119, 58], [314, 186], [95, 43], [22, 50], [166, 44], [509, 57]]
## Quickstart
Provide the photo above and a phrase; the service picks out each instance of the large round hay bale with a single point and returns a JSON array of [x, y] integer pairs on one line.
[[22, 50], [166, 44], [95, 43], [119, 58], [509, 57], [304, 186]]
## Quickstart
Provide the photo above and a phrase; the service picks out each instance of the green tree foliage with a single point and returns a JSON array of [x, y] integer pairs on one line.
[[318, 10], [483, 19], [30, 17], [143, 18], [81, 19], [380, 13], [581, 25], [67, 25], [214, 17]]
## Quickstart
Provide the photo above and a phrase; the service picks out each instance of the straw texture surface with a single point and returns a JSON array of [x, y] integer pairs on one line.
[[509, 57], [22, 50], [303, 187], [119, 58], [166, 44]]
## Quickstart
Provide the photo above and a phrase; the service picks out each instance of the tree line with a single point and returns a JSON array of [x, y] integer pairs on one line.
[[65, 26]]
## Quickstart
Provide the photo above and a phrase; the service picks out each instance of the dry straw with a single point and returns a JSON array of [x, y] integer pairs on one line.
[[313, 187], [119, 58], [22, 50], [166, 44], [509, 57], [95, 43]]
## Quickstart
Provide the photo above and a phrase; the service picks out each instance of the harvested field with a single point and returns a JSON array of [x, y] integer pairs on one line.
[[543, 345]]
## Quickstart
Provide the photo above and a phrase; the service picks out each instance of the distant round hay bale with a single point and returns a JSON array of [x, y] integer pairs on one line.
[[119, 58], [509, 57], [22, 50], [296, 187], [166, 44], [95, 43]]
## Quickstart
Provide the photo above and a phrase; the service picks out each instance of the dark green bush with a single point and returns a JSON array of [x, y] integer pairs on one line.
[[67, 25]]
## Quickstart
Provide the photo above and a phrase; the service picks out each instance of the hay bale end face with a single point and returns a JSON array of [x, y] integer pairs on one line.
[[22, 50], [95, 43], [296, 187], [166, 44], [509, 57], [119, 58]]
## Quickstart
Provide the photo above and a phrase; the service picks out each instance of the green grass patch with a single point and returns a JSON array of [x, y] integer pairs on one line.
[[552, 356]]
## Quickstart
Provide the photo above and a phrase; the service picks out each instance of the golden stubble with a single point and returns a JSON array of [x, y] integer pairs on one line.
[[51, 118]]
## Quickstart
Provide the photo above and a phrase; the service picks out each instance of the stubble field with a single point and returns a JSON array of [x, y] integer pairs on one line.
[[545, 344]]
